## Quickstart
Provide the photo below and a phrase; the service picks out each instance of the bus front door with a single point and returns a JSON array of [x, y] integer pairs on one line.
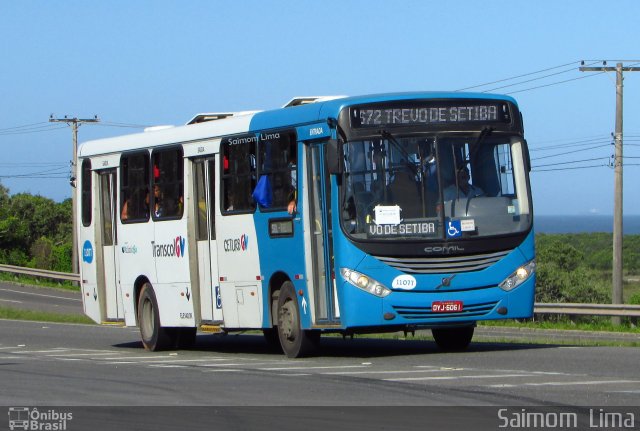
[[109, 238], [325, 302], [204, 190]]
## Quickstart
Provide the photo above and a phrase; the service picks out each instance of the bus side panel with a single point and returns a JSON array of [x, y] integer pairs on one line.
[[136, 262], [280, 255], [239, 269], [173, 288]]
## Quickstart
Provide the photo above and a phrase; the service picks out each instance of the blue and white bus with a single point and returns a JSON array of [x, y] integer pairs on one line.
[[348, 215]]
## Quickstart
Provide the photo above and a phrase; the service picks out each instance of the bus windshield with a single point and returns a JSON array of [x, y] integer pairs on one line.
[[438, 187]]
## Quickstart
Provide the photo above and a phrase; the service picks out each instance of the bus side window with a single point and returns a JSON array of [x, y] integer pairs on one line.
[[238, 174], [278, 161], [167, 199], [134, 187], [86, 192]]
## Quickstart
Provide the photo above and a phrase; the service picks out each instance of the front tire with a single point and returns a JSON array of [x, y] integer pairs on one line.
[[154, 336], [295, 341], [453, 339]]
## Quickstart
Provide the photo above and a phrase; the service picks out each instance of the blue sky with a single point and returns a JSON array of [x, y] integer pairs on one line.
[[161, 62]]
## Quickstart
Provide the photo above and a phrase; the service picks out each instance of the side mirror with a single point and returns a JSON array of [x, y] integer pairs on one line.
[[335, 164]]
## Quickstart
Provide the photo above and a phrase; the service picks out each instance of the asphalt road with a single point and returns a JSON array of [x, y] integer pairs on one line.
[[79, 367], [63, 364], [27, 297]]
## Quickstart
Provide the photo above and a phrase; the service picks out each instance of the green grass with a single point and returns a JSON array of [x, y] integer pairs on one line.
[[42, 316], [604, 324], [40, 282]]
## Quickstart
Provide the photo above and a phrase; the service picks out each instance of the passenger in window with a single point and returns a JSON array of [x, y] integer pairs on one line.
[[158, 210], [292, 197], [131, 210], [124, 214], [462, 188]]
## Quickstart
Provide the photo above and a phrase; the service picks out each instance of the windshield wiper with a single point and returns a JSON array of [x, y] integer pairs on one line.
[[484, 133], [388, 136]]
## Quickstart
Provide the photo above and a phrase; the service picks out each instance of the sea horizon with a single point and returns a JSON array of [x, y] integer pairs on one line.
[[588, 223]]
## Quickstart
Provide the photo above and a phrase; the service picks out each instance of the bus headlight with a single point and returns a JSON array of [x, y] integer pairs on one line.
[[364, 282], [519, 276]]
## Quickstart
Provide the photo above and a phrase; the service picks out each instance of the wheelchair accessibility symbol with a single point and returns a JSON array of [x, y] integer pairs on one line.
[[454, 229]]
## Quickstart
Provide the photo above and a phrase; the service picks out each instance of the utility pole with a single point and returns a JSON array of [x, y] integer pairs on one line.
[[616, 292], [74, 123]]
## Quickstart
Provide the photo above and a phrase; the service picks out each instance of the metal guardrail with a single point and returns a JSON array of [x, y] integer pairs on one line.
[[622, 310], [34, 272]]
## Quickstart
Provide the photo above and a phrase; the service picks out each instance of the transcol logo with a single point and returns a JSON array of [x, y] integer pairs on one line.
[[237, 244], [175, 248]]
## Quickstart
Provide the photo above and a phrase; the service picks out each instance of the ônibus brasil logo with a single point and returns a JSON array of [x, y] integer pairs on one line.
[[175, 248], [237, 244]]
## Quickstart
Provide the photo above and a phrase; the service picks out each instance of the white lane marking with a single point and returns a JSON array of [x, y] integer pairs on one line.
[[238, 364], [470, 376], [62, 355], [128, 358], [384, 372], [25, 352], [312, 368], [173, 361], [14, 357], [167, 366], [9, 300], [9, 347], [583, 382], [43, 295], [223, 370]]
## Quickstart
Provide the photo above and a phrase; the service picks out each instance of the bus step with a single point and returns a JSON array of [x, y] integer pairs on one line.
[[213, 329], [113, 322]]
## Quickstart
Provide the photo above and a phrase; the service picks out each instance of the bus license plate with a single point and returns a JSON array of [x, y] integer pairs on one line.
[[446, 306]]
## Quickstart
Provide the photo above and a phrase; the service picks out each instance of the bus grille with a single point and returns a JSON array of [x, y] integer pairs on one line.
[[447, 265], [469, 310]]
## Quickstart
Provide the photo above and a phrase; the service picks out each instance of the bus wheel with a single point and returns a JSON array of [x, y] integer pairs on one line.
[[154, 336], [453, 339], [295, 341]]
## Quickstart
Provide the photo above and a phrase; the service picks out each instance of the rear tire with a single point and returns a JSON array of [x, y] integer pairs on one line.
[[295, 341], [154, 336], [453, 339]]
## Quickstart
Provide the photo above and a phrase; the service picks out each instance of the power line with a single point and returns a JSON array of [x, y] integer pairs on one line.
[[124, 125], [36, 174], [574, 140], [23, 126], [31, 164], [552, 84], [568, 163], [569, 168], [572, 144], [516, 77], [570, 152], [33, 130]]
